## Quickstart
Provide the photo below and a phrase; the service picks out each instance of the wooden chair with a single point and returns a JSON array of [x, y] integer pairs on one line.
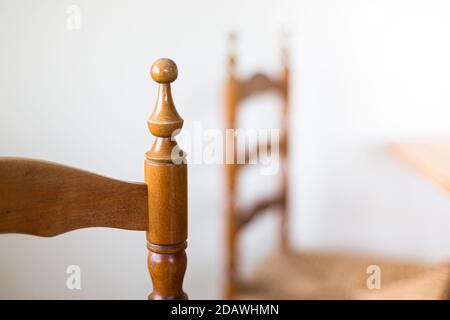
[[237, 90], [47, 199], [303, 275]]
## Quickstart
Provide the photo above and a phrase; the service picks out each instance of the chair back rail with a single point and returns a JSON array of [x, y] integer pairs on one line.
[[257, 84], [245, 215], [46, 199], [237, 90]]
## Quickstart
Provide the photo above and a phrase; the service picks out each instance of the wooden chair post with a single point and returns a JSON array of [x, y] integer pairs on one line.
[[231, 96], [284, 232], [166, 178]]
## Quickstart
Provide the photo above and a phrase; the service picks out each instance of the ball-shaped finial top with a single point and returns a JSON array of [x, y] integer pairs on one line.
[[164, 71]]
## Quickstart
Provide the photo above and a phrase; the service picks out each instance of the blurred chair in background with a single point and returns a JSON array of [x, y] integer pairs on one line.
[[237, 90], [306, 275]]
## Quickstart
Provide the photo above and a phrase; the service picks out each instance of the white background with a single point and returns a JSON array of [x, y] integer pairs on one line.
[[364, 72]]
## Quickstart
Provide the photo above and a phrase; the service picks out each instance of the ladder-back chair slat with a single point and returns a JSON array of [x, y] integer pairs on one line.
[[244, 216], [258, 83], [46, 199]]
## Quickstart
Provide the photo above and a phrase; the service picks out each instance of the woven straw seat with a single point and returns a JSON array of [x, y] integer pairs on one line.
[[337, 276]]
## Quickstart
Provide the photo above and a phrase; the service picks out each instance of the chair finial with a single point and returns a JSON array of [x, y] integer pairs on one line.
[[164, 71], [164, 120]]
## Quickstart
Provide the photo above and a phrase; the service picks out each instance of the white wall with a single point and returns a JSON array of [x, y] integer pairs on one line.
[[364, 72]]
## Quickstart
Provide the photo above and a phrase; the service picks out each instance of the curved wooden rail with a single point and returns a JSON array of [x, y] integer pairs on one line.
[[258, 83], [47, 199], [248, 214]]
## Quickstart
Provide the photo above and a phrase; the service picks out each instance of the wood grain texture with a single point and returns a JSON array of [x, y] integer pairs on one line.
[[431, 158], [47, 199]]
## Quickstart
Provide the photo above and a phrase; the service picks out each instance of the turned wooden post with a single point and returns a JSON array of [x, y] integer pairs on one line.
[[231, 96], [284, 232], [166, 177]]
